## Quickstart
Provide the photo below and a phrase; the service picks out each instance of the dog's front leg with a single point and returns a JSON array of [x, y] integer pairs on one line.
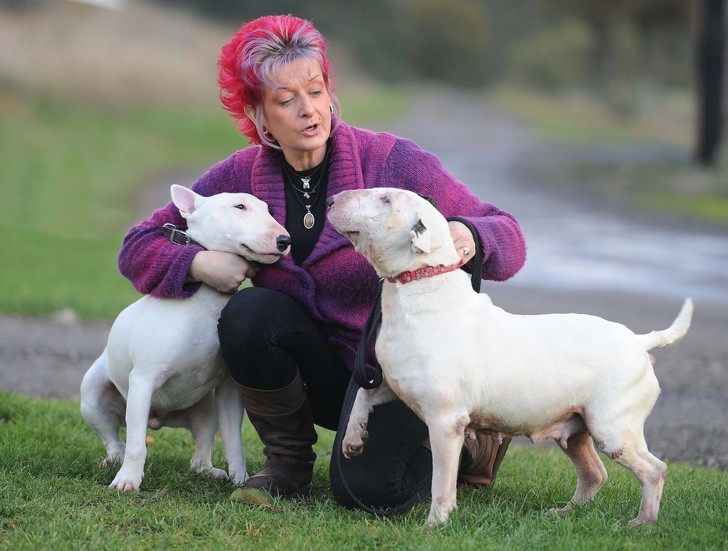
[[356, 429], [447, 434], [138, 403], [230, 413]]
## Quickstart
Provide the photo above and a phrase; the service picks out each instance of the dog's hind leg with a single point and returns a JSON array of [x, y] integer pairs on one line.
[[630, 450], [590, 471], [203, 426], [447, 434], [201, 420], [103, 407]]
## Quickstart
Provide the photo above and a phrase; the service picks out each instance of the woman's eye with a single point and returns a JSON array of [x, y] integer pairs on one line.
[[285, 102], [316, 93], [241, 207]]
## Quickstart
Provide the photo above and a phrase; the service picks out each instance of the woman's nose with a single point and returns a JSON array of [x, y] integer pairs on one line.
[[306, 107]]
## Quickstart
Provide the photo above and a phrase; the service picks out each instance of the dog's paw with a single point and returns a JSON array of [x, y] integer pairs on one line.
[[216, 473], [126, 481], [561, 511], [238, 478], [641, 521], [440, 510], [353, 444], [204, 466], [112, 460]]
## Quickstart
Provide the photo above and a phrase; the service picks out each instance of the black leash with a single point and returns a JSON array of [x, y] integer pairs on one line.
[[360, 378]]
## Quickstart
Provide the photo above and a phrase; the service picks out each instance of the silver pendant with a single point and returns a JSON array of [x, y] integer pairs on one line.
[[306, 196], [306, 182], [308, 220]]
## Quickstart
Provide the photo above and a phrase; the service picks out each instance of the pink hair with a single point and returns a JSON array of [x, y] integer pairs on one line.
[[249, 61]]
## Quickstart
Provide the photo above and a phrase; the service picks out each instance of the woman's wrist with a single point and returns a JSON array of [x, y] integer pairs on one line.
[[193, 274]]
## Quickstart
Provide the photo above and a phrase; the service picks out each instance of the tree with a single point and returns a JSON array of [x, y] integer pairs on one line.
[[710, 26]]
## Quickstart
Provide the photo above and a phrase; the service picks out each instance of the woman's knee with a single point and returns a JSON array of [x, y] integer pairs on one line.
[[247, 331]]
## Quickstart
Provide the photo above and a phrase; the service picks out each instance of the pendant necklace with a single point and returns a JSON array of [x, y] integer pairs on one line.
[[306, 180], [308, 219]]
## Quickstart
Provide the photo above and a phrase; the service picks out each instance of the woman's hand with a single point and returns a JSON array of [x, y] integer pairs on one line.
[[222, 271], [463, 240]]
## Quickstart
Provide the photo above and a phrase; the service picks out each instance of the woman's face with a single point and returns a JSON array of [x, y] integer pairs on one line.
[[296, 112]]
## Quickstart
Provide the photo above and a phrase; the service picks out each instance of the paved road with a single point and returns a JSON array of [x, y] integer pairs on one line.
[[583, 256]]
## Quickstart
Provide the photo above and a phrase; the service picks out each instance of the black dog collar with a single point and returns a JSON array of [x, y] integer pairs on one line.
[[177, 235]]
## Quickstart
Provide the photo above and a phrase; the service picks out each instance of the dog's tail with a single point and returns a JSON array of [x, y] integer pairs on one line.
[[658, 339]]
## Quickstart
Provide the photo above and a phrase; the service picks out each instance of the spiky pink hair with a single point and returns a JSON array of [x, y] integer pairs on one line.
[[250, 60]]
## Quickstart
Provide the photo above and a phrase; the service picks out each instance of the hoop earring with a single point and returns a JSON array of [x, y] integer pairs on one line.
[[267, 135], [331, 108]]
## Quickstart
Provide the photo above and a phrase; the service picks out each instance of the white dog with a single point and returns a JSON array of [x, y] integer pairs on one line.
[[463, 364], [162, 364]]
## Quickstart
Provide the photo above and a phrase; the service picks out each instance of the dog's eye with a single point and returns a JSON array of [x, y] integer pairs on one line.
[[386, 200], [240, 206]]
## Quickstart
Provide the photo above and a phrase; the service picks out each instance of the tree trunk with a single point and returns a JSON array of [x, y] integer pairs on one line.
[[711, 55]]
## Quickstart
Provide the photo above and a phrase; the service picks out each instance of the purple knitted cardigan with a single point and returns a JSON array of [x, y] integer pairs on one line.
[[335, 283]]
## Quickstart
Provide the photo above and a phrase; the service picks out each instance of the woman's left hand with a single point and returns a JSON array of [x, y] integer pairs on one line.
[[463, 239]]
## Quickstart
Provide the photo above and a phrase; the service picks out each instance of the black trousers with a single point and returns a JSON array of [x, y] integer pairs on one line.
[[266, 338]]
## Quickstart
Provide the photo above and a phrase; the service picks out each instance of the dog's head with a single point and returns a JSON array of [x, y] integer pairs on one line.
[[395, 229], [232, 222]]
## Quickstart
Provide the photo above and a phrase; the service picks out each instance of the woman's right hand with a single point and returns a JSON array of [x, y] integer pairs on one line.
[[220, 270]]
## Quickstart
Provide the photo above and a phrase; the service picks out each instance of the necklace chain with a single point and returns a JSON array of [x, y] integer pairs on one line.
[[308, 219], [306, 179]]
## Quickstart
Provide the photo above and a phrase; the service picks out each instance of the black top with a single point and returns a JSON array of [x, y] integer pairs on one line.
[[303, 240]]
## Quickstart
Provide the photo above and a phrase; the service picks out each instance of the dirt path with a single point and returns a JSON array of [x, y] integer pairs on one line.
[[584, 256]]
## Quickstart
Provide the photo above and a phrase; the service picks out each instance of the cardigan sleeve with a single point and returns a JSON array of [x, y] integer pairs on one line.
[[504, 250], [155, 265]]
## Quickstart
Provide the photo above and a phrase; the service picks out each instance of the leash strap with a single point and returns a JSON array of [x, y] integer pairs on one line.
[[362, 352], [360, 378]]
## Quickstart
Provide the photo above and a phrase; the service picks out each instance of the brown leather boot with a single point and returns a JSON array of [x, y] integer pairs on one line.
[[480, 460], [284, 421]]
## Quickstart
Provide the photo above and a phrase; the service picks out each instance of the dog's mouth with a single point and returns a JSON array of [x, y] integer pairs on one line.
[[253, 252], [352, 236]]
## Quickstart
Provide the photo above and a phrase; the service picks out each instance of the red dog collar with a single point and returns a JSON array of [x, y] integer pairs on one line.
[[424, 272]]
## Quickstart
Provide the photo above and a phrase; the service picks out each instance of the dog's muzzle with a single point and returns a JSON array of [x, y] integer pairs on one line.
[[282, 242]]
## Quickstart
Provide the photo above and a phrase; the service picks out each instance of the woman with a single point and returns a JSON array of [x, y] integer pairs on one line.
[[290, 340]]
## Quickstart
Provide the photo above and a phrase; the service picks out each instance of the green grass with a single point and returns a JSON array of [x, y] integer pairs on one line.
[[53, 496], [683, 189], [71, 175]]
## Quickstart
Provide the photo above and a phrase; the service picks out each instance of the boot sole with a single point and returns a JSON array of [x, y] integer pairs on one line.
[[260, 497]]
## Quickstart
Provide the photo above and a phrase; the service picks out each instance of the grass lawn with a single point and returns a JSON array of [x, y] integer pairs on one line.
[[53, 496], [582, 119], [71, 175], [681, 188]]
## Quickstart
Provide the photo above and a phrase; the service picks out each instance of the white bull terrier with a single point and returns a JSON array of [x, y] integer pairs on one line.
[[162, 364], [463, 364]]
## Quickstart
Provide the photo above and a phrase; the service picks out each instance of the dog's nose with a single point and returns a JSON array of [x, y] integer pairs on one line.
[[329, 201], [283, 241]]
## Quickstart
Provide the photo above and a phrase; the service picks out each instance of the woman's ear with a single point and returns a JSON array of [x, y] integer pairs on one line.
[[249, 111]]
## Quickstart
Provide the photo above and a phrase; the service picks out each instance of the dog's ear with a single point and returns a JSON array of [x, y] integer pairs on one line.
[[184, 199], [420, 238]]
